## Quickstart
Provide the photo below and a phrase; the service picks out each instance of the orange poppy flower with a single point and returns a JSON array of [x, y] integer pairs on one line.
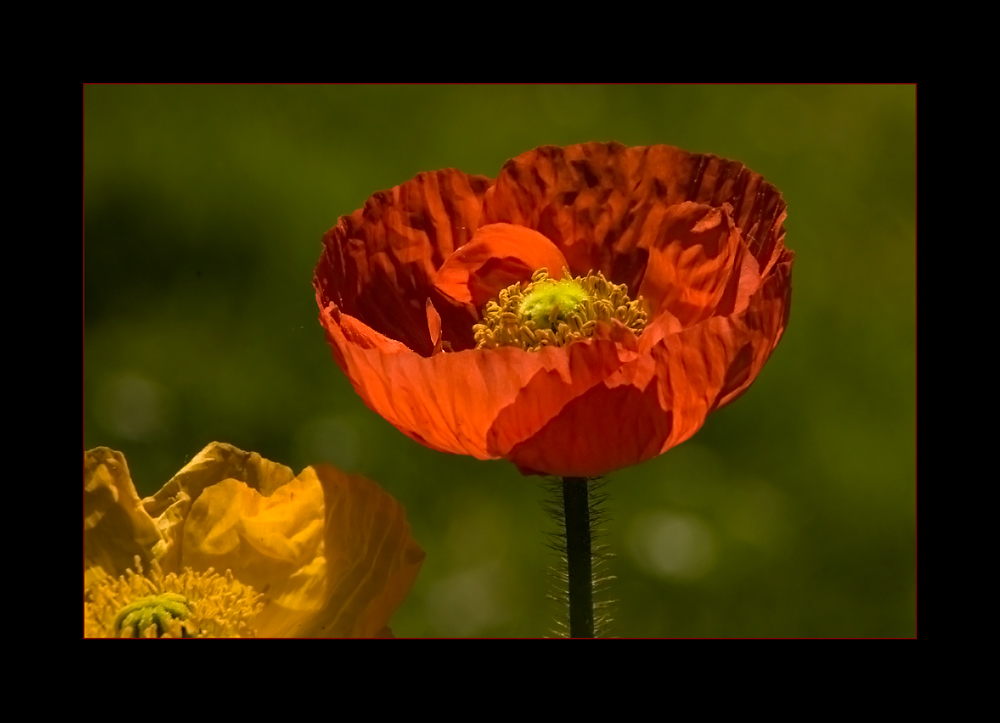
[[690, 248]]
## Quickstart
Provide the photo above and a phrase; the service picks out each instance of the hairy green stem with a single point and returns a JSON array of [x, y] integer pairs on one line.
[[579, 556]]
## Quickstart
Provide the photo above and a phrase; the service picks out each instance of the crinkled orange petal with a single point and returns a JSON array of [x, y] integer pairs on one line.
[[692, 366], [651, 403], [450, 402], [597, 202], [615, 422], [605, 429], [542, 429], [697, 262], [434, 327], [116, 528], [497, 256], [379, 263], [602, 203], [648, 406], [764, 320]]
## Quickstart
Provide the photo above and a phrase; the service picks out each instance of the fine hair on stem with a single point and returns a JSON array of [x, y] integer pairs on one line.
[[582, 608]]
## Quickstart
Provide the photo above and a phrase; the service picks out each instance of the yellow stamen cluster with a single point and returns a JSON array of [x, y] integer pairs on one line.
[[189, 605], [547, 312]]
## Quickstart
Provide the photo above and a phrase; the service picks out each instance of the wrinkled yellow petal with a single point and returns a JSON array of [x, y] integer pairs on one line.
[[274, 544], [371, 557], [172, 504], [116, 528]]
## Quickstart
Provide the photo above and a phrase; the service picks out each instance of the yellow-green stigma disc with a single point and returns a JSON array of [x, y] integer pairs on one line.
[[159, 610], [551, 301]]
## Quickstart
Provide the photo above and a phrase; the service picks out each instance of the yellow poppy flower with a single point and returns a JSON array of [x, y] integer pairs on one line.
[[236, 545]]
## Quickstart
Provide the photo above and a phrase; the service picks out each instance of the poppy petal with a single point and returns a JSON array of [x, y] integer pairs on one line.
[[602, 203], [586, 430], [172, 503], [429, 398], [116, 527], [692, 367], [765, 320], [371, 557], [272, 543], [696, 262], [434, 326], [497, 256], [598, 202], [385, 255], [607, 428]]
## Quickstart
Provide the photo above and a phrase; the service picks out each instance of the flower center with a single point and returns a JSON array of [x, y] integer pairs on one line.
[[550, 303], [160, 611], [547, 312], [191, 604]]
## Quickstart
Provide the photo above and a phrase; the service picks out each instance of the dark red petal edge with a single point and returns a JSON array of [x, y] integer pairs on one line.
[[378, 264]]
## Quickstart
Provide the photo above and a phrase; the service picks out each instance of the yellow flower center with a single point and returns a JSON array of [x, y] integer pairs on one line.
[[189, 605], [547, 312], [550, 302]]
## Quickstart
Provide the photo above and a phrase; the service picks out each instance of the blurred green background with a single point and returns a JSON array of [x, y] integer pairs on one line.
[[791, 513]]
